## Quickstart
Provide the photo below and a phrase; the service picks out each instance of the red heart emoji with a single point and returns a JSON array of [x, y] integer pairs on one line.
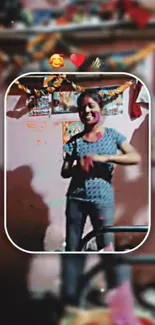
[[77, 59]]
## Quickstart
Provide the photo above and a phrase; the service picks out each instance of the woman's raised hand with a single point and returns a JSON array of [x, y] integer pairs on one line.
[[87, 162]]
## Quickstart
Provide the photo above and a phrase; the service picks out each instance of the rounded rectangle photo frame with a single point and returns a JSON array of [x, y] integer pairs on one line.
[[79, 126]]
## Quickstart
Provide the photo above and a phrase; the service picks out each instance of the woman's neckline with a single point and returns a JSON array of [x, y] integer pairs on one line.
[[98, 140]]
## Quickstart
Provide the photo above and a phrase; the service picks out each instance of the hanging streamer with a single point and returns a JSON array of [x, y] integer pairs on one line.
[[133, 59], [40, 47], [54, 82]]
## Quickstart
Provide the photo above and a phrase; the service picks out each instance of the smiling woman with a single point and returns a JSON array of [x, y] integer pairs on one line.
[[95, 128], [90, 159]]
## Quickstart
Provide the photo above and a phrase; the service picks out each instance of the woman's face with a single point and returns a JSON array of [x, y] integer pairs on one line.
[[90, 113]]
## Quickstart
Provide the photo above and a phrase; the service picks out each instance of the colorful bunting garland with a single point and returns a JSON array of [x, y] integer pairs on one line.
[[54, 82], [33, 54], [132, 59]]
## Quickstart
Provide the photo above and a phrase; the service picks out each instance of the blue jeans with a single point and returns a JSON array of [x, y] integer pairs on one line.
[[76, 215], [72, 271]]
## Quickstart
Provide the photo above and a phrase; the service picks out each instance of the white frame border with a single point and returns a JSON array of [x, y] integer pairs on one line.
[[5, 161]]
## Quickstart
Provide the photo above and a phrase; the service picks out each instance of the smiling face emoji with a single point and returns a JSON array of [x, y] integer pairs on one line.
[[57, 61]]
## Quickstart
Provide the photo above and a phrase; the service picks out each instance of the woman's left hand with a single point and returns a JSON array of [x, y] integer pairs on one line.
[[87, 162]]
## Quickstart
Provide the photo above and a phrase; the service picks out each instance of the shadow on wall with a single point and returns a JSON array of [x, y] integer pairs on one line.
[[20, 109], [132, 195], [27, 214], [13, 270], [14, 264]]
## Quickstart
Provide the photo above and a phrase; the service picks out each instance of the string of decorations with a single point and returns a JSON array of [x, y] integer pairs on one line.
[[133, 59], [47, 46], [54, 83], [37, 50]]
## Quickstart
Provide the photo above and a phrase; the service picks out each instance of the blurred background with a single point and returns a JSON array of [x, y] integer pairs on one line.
[[119, 32], [30, 32]]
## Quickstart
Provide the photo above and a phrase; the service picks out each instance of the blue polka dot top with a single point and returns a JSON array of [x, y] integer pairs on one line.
[[96, 186]]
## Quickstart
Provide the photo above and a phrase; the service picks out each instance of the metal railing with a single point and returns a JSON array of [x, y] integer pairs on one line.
[[124, 229], [136, 260], [115, 229]]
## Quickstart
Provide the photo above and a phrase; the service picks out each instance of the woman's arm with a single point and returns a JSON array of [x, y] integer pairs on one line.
[[129, 157], [68, 167]]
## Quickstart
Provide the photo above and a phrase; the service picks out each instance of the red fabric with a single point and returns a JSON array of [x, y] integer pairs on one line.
[[138, 14], [70, 12], [88, 163], [135, 108], [146, 322]]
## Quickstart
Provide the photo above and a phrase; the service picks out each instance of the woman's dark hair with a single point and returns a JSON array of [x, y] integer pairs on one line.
[[94, 94]]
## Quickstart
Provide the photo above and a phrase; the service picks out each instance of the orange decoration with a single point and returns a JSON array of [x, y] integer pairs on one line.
[[31, 125], [62, 22]]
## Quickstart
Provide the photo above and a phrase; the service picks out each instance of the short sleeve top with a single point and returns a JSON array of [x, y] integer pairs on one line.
[[94, 188]]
